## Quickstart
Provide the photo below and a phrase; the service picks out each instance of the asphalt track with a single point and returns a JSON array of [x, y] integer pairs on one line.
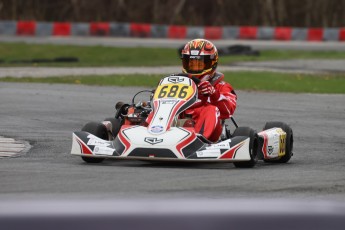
[[288, 66], [46, 115], [47, 188]]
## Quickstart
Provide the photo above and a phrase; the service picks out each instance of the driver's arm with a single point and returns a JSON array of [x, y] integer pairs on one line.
[[225, 99]]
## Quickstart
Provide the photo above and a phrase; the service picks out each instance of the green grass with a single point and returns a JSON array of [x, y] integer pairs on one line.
[[88, 55], [269, 55], [258, 81], [295, 83], [140, 56]]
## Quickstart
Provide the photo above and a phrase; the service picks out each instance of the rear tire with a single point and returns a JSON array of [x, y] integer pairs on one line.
[[253, 146], [99, 130], [289, 140]]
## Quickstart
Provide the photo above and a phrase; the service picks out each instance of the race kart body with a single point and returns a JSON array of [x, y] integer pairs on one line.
[[168, 138]]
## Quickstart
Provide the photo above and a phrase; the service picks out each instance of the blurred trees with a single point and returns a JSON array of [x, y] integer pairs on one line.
[[298, 13]]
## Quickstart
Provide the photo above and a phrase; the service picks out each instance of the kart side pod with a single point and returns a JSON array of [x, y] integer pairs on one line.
[[272, 144]]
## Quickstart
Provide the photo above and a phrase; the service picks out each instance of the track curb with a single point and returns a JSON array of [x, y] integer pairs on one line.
[[145, 30], [10, 147]]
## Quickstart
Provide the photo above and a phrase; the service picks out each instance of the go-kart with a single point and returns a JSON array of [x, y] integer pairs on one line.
[[166, 137]]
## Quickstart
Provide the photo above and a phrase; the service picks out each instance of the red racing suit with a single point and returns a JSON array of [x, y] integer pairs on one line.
[[208, 111]]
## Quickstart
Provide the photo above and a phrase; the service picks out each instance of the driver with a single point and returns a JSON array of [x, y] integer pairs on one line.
[[216, 98]]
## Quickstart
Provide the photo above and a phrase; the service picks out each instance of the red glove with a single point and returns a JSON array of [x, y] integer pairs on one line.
[[206, 88]]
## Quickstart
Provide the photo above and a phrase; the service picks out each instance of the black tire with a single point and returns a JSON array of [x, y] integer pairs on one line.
[[116, 123], [289, 140], [99, 130], [253, 146]]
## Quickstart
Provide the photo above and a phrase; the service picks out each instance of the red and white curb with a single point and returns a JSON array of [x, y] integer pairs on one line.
[[144, 30], [10, 147]]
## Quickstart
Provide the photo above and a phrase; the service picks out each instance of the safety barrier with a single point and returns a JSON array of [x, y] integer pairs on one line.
[[114, 29]]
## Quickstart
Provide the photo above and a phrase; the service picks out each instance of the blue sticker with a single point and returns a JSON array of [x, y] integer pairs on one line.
[[156, 129]]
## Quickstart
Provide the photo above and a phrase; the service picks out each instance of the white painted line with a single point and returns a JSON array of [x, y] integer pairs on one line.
[[5, 140], [13, 144], [8, 154], [10, 147]]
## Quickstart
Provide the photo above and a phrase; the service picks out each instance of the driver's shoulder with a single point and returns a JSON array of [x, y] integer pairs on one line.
[[217, 78], [218, 75], [220, 83]]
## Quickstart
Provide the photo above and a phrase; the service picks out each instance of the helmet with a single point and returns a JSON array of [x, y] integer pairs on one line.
[[200, 59]]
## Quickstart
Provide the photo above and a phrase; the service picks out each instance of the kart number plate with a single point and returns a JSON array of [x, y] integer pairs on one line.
[[178, 91]]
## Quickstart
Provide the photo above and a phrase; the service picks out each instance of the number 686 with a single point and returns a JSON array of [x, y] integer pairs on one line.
[[173, 91]]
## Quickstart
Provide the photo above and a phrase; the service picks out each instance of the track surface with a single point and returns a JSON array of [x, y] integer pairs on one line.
[[46, 115], [283, 66]]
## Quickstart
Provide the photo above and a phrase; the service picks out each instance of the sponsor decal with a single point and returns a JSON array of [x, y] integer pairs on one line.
[[282, 142], [94, 141], [153, 140], [208, 153], [194, 52], [102, 150], [221, 145], [169, 101], [175, 79], [156, 129]]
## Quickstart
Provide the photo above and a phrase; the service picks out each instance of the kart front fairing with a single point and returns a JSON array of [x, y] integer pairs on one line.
[[162, 139]]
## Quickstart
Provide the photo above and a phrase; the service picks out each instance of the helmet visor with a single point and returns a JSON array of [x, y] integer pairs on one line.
[[196, 64]]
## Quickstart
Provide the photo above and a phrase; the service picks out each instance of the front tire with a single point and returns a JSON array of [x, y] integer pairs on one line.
[[289, 140], [253, 146], [116, 125], [99, 130]]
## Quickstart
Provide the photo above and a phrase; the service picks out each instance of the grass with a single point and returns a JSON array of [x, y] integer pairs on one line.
[[88, 55], [93, 56], [140, 56], [258, 81], [296, 83]]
